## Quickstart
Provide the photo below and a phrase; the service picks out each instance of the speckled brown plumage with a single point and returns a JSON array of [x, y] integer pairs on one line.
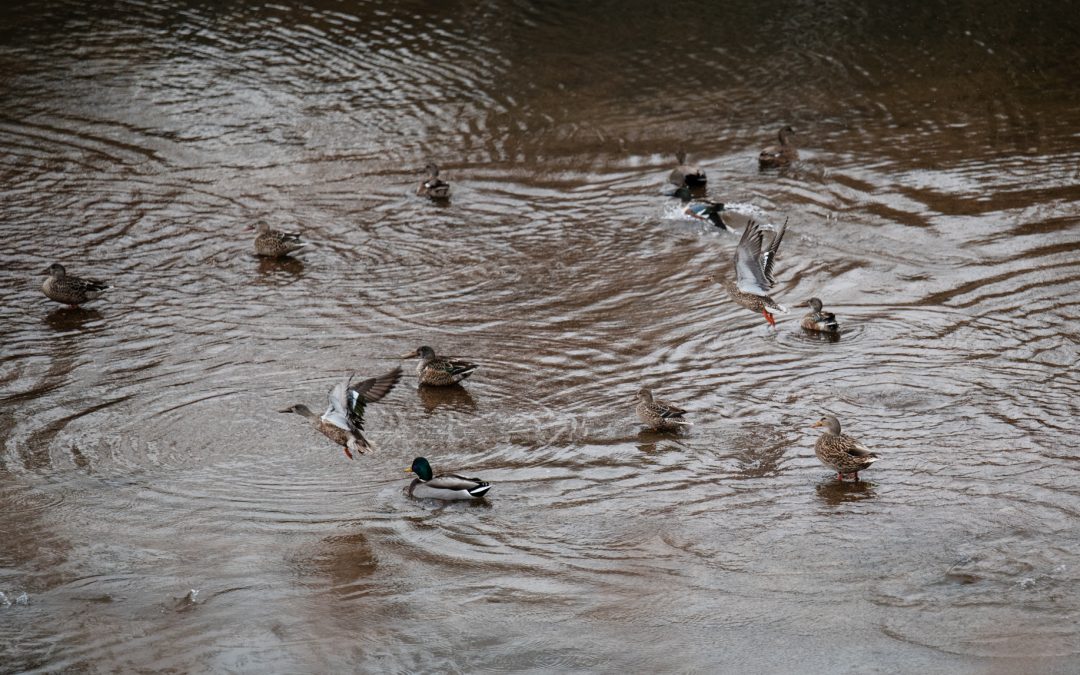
[[439, 371], [70, 290], [659, 415], [819, 321], [840, 452], [274, 243]]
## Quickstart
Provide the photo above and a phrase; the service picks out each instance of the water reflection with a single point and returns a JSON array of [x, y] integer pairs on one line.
[[71, 318], [455, 398], [834, 493], [286, 268]]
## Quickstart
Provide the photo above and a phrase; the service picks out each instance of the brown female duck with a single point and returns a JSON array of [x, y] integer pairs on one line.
[[840, 452], [659, 415], [819, 321], [70, 290], [753, 272], [776, 156], [439, 371], [274, 243], [343, 421]]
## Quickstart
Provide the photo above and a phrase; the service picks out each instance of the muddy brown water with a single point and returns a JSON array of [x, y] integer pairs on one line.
[[160, 515]]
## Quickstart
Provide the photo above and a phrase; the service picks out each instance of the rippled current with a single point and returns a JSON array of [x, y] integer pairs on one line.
[[158, 514]]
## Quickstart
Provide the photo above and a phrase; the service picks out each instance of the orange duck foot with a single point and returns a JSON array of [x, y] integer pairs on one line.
[[347, 453], [769, 317]]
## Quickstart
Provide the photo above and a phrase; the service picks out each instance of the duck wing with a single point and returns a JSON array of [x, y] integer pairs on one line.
[[749, 272], [769, 257], [452, 481], [337, 412], [368, 391]]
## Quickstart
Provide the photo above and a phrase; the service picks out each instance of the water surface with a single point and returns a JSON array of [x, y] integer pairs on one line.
[[159, 514]]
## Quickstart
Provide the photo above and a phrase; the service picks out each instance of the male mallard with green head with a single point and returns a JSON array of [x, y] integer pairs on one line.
[[439, 371], [274, 243], [70, 290], [343, 421], [659, 415], [753, 272], [776, 156], [686, 175], [433, 187], [448, 486], [840, 452], [819, 321]]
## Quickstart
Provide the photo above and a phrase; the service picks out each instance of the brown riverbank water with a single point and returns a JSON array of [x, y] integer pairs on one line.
[[158, 514]]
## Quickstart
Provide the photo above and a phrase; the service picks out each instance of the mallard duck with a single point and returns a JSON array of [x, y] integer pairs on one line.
[[819, 321], [776, 156], [710, 211], [433, 187], [659, 415], [274, 243], [70, 290], [753, 272], [684, 175], [439, 371], [444, 486], [343, 421], [840, 452]]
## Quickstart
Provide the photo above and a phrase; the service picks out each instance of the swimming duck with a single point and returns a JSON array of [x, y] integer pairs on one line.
[[72, 291], [343, 421], [433, 187], [840, 452], [685, 175], [274, 243], [710, 211], [439, 371], [776, 156], [819, 321], [753, 272], [659, 415], [447, 486]]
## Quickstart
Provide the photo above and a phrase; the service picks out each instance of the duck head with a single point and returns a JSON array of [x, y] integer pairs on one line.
[[299, 409], [422, 352], [422, 468], [814, 304], [56, 270], [831, 424]]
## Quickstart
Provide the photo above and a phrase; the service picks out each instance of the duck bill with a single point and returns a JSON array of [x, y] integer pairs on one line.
[[409, 470], [819, 423], [411, 355]]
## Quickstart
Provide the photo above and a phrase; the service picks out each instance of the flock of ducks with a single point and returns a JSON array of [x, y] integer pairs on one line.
[[749, 287]]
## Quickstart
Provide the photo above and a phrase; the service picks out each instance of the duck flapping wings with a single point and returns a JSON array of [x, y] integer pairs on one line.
[[753, 267]]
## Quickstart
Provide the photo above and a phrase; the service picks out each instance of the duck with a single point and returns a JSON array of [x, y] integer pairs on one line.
[[819, 321], [659, 415], [776, 156], [447, 486], [710, 211], [70, 290], [433, 187], [684, 175], [439, 371], [274, 243], [840, 452], [753, 272], [343, 421]]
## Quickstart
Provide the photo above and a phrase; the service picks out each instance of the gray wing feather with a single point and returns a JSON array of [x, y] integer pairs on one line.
[[749, 274], [337, 412]]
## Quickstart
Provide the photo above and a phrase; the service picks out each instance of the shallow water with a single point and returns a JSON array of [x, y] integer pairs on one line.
[[160, 514]]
